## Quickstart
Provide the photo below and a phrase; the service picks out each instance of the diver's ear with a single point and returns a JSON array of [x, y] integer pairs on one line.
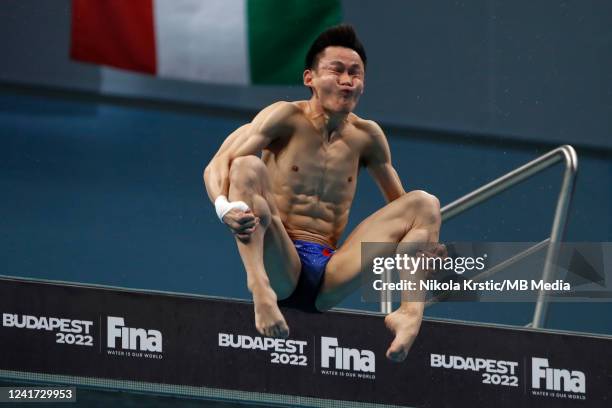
[[307, 77]]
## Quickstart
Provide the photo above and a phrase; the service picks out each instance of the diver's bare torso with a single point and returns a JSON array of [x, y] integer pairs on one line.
[[313, 174]]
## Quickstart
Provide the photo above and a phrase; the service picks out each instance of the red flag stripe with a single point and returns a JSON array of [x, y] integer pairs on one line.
[[119, 33]]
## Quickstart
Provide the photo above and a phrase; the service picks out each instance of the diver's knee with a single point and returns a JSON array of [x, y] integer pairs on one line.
[[246, 169], [421, 198], [426, 206]]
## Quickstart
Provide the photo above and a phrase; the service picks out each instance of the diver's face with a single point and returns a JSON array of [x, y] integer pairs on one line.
[[338, 79]]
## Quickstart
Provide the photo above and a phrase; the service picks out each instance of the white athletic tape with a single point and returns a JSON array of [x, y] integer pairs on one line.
[[222, 206]]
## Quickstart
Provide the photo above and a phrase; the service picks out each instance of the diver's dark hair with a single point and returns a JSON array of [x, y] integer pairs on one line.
[[342, 35]]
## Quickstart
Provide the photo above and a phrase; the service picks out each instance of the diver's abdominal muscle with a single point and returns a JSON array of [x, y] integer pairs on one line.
[[312, 217], [314, 230]]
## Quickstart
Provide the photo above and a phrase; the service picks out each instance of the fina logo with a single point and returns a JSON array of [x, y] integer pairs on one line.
[[346, 358], [132, 338], [573, 381]]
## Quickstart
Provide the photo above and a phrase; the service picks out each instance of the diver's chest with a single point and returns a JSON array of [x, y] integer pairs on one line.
[[319, 153]]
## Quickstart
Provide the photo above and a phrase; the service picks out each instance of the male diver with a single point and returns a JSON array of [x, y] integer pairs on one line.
[[284, 185]]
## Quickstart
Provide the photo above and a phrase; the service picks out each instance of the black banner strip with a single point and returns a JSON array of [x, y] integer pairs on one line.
[[189, 345]]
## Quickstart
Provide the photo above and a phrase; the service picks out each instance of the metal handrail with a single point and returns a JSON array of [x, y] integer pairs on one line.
[[565, 153]]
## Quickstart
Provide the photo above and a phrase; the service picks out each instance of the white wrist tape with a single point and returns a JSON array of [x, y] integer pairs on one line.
[[222, 206]]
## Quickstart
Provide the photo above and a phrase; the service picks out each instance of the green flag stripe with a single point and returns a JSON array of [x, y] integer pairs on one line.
[[280, 33]]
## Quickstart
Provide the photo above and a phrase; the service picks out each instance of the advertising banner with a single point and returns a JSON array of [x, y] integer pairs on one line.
[[159, 338]]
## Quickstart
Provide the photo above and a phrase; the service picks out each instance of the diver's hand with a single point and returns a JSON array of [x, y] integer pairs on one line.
[[435, 250], [241, 223]]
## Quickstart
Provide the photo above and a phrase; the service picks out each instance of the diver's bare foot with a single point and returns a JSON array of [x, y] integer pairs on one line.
[[405, 324], [269, 320]]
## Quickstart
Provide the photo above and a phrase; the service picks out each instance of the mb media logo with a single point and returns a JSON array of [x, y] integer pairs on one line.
[[556, 382], [348, 362], [133, 341]]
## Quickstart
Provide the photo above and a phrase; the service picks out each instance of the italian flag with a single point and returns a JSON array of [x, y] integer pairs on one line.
[[220, 41]]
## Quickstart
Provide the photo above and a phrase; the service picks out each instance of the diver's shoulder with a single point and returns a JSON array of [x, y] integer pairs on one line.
[[366, 125], [284, 106], [299, 106], [280, 111]]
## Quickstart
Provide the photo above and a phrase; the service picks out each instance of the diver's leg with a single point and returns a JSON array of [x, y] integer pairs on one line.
[[412, 218], [269, 257]]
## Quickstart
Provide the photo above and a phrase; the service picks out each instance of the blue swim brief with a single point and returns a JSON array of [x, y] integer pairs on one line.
[[314, 258]]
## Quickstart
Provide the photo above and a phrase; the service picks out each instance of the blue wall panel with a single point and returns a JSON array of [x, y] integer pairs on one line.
[[113, 195]]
